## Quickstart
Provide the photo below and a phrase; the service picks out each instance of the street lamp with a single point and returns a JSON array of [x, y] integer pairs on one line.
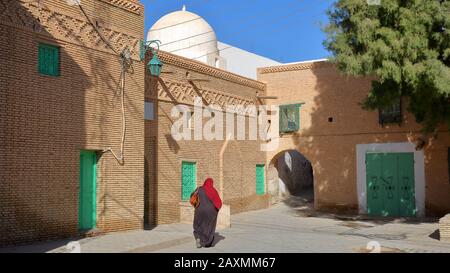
[[155, 65]]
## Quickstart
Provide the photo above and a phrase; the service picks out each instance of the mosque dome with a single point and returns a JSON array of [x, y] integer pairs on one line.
[[186, 34]]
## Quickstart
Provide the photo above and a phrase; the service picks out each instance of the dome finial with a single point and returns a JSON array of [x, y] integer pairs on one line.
[[184, 8]]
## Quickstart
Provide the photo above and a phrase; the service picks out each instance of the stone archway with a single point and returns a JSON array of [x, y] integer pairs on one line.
[[290, 173]]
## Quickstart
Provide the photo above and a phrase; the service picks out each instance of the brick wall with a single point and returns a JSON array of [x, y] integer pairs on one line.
[[330, 146], [239, 157], [46, 121]]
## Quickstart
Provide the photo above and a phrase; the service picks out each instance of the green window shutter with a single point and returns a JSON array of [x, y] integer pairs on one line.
[[48, 60], [188, 179], [260, 189], [289, 117]]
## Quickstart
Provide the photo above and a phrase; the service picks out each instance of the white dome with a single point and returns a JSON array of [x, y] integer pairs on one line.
[[186, 34]]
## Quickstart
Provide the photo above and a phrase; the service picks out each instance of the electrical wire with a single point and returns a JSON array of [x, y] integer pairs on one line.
[[123, 63], [238, 32], [97, 30], [180, 23], [120, 157], [198, 18], [225, 48], [212, 31]]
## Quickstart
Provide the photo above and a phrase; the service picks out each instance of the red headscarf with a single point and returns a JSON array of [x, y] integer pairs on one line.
[[212, 194]]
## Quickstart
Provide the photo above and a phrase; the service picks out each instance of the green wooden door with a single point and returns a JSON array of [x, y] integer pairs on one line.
[[188, 179], [390, 184], [260, 179], [406, 185], [87, 198]]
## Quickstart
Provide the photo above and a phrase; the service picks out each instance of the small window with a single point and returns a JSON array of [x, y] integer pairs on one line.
[[391, 114], [48, 60], [148, 111], [289, 118]]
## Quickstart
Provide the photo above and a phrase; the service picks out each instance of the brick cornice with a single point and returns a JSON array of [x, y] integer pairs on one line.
[[208, 70], [129, 5], [293, 67], [42, 20]]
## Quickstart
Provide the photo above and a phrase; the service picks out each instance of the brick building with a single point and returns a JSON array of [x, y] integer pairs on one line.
[[62, 84], [232, 164], [350, 148], [61, 119], [60, 107]]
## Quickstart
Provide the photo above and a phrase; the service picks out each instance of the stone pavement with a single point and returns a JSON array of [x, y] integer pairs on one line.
[[278, 229]]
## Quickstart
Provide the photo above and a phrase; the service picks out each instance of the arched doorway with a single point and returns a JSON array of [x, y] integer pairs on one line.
[[290, 173]]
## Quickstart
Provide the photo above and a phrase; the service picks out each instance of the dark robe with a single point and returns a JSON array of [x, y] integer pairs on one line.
[[205, 219]]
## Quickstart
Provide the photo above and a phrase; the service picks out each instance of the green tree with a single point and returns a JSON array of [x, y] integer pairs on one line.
[[404, 44]]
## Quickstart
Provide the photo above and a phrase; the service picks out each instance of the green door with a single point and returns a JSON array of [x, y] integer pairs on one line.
[[87, 199], [260, 179], [188, 179], [390, 184]]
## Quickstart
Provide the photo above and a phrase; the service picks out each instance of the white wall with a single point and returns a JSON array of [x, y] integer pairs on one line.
[[242, 62]]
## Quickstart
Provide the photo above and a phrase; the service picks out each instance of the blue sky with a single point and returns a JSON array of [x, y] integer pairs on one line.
[[283, 30]]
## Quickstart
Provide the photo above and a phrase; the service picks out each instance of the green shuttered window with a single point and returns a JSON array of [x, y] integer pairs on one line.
[[188, 179], [289, 118], [260, 179], [48, 60]]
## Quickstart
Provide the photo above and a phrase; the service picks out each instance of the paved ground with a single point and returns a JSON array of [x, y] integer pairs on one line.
[[278, 229]]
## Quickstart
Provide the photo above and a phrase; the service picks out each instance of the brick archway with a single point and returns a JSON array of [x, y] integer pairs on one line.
[[290, 173]]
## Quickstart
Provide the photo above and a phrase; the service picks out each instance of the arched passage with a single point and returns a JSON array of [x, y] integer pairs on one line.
[[290, 173]]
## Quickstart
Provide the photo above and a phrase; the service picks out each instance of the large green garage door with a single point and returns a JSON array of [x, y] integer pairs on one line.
[[390, 184]]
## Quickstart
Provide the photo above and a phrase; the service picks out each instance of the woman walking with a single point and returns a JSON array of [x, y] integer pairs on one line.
[[205, 217]]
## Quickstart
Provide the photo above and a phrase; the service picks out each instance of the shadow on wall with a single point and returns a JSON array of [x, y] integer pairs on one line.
[[151, 154], [42, 146], [337, 123]]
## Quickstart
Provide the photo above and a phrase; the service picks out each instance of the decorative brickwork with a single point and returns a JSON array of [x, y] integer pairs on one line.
[[32, 16], [130, 5], [208, 70], [294, 67]]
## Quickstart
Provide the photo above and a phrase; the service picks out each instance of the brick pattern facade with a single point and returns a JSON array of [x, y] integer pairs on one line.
[[46, 121], [239, 157], [332, 123]]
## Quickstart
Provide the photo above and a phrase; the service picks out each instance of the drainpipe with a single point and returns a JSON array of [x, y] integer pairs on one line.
[[222, 151]]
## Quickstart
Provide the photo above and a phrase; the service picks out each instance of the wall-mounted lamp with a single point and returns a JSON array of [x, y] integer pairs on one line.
[[155, 65]]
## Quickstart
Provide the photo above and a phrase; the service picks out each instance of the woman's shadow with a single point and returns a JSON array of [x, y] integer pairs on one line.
[[217, 239]]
